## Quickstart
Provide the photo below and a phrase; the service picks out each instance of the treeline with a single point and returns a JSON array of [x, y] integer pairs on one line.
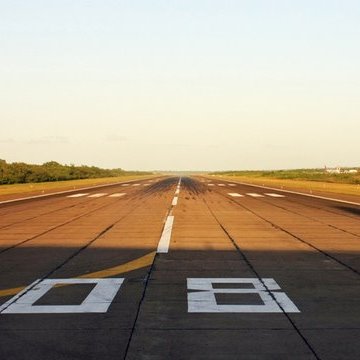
[[18, 172], [298, 174]]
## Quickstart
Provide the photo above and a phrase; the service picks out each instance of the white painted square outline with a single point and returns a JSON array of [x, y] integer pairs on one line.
[[204, 300], [97, 301]]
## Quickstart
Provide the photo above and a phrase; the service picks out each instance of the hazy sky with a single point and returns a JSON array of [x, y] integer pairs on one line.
[[185, 84]]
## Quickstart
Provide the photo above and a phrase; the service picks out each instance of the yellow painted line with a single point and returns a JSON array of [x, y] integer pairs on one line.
[[12, 291], [139, 263]]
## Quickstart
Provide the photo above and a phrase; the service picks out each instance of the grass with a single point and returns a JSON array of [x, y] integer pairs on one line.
[[54, 186], [299, 180]]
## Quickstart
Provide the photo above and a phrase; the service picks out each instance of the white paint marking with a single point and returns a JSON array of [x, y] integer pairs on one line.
[[136, 184], [235, 195], [164, 242], [175, 201], [204, 300], [300, 193], [77, 195], [97, 195], [125, 185], [221, 185], [211, 184], [147, 184], [117, 195], [232, 184], [254, 195], [59, 193], [275, 195], [97, 301], [177, 192]]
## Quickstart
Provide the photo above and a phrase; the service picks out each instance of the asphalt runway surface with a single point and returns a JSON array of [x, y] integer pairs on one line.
[[191, 268]]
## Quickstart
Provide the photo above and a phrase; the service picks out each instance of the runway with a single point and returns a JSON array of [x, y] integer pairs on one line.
[[180, 268]]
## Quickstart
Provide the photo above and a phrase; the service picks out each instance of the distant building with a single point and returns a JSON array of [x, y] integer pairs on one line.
[[338, 170]]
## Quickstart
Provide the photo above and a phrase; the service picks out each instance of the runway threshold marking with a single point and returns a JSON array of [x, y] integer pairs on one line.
[[117, 195], [97, 195], [132, 265], [77, 195], [254, 195], [274, 195], [235, 195]]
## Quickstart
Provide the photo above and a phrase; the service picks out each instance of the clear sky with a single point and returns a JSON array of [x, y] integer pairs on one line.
[[181, 84]]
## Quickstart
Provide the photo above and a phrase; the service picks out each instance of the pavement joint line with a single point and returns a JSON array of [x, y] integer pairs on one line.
[[295, 237], [30, 287], [147, 283], [300, 193], [313, 219], [64, 192], [128, 266], [53, 228], [263, 283], [132, 265]]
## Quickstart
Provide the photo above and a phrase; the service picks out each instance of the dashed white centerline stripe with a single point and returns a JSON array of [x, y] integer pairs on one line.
[[235, 195], [136, 184], [221, 185], [97, 195], [274, 195], [232, 184], [211, 184], [175, 201], [77, 195], [164, 242], [117, 195], [254, 195], [125, 185], [177, 192]]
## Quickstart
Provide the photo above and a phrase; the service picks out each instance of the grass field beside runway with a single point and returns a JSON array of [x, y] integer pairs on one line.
[[297, 185], [48, 187]]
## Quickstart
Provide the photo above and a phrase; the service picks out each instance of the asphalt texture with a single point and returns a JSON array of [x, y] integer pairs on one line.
[[249, 273]]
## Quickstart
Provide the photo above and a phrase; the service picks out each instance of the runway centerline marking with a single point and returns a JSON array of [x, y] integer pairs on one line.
[[165, 238], [175, 201]]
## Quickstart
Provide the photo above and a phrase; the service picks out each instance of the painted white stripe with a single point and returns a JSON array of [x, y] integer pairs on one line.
[[164, 242], [147, 184], [274, 195], [61, 193], [125, 185], [221, 185], [117, 195], [236, 195], [77, 195], [177, 192], [175, 201], [232, 184], [211, 184], [136, 184], [300, 193], [97, 195], [254, 195]]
